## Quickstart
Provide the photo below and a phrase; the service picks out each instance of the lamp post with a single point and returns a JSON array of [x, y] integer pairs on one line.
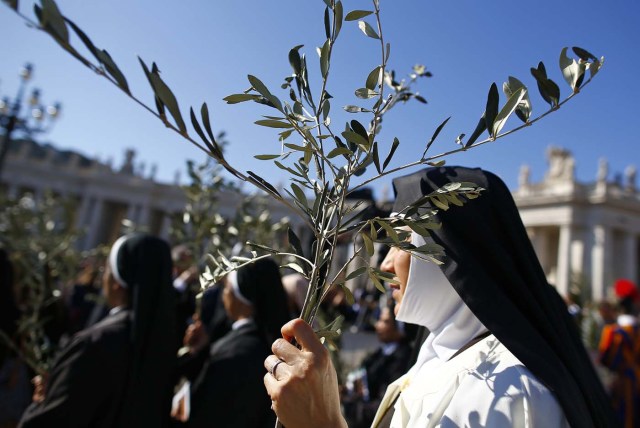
[[37, 119]]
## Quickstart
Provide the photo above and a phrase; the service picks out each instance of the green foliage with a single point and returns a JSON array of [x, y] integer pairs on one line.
[[39, 236], [206, 231]]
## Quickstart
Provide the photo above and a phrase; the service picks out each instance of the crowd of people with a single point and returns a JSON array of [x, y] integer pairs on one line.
[[481, 340]]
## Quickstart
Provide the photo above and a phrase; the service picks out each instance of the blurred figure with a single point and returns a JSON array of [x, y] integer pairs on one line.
[[296, 287], [15, 389], [187, 286], [209, 325], [574, 308], [620, 353], [229, 391], [366, 386], [84, 295], [119, 372]]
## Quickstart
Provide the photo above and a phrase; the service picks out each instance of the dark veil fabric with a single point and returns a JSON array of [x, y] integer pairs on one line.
[[144, 263], [493, 267], [261, 283]]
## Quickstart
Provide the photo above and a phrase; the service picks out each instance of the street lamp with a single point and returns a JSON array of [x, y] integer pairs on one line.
[[37, 119]]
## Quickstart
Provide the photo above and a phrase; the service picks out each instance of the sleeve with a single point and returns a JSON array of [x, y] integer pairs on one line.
[[76, 388], [610, 348]]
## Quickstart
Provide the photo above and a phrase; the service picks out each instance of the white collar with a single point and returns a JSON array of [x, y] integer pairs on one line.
[[388, 348], [626, 320], [116, 309], [237, 324]]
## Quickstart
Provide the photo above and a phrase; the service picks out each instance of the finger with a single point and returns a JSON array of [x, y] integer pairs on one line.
[[285, 351], [271, 384], [270, 362], [303, 334]]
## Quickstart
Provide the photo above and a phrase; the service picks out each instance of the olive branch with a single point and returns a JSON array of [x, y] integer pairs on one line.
[[322, 163]]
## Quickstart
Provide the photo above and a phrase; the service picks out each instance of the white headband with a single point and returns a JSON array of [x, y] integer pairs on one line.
[[232, 277], [113, 260]]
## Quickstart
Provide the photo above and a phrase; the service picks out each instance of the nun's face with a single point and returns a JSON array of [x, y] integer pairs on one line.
[[397, 262], [108, 284], [232, 305], [228, 298]]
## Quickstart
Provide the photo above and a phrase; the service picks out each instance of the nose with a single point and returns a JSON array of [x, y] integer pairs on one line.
[[387, 263]]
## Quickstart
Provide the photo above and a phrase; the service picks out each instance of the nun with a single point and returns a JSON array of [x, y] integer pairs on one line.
[[120, 371], [502, 349], [229, 392]]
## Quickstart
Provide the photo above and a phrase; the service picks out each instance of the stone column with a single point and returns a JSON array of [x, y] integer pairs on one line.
[[143, 215], [166, 224], [82, 218], [578, 263], [540, 241], [630, 256], [563, 277], [601, 255], [133, 211], [94, 222]]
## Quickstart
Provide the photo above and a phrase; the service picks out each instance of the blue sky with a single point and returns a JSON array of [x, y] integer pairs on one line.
[[205, 50]]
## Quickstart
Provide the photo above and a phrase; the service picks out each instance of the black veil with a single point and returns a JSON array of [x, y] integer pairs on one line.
[[491, 263], [144, 263]]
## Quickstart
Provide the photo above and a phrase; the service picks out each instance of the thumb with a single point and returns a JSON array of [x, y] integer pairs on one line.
[[303, 334]]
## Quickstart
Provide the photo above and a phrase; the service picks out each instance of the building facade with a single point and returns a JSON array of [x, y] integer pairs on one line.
[[104, 195], [586, 235]]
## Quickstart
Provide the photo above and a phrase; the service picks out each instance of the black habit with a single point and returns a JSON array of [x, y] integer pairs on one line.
[[229, 391], [86, 384], [492, 265]]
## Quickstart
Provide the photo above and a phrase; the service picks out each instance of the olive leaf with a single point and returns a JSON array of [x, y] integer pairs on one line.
[[434, 136], [368, 30], [239, 98], [374, 79], [491, 111], [354, 15], [53, 21], [572, 71], [294, 241], [507, 109], [168, 99], [523, 110], [548, 89], [394, 146]]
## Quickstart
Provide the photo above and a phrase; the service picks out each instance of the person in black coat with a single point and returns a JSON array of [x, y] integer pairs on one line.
[[118, 372], [229, 391], [377, 370]]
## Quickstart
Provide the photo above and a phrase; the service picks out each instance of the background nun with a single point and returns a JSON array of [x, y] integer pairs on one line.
[[120, 371], [502, 351], [229, 391]]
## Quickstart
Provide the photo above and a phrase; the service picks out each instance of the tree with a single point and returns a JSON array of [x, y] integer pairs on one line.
[[205, 230], [39, 237]]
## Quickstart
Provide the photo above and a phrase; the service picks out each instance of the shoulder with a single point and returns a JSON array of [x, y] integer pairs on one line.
[[496, 365], [246, 340], [505, 390], [486, 385], [109, 336]]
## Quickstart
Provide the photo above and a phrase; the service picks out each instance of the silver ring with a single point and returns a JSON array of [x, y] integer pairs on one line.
[[273, 368]]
